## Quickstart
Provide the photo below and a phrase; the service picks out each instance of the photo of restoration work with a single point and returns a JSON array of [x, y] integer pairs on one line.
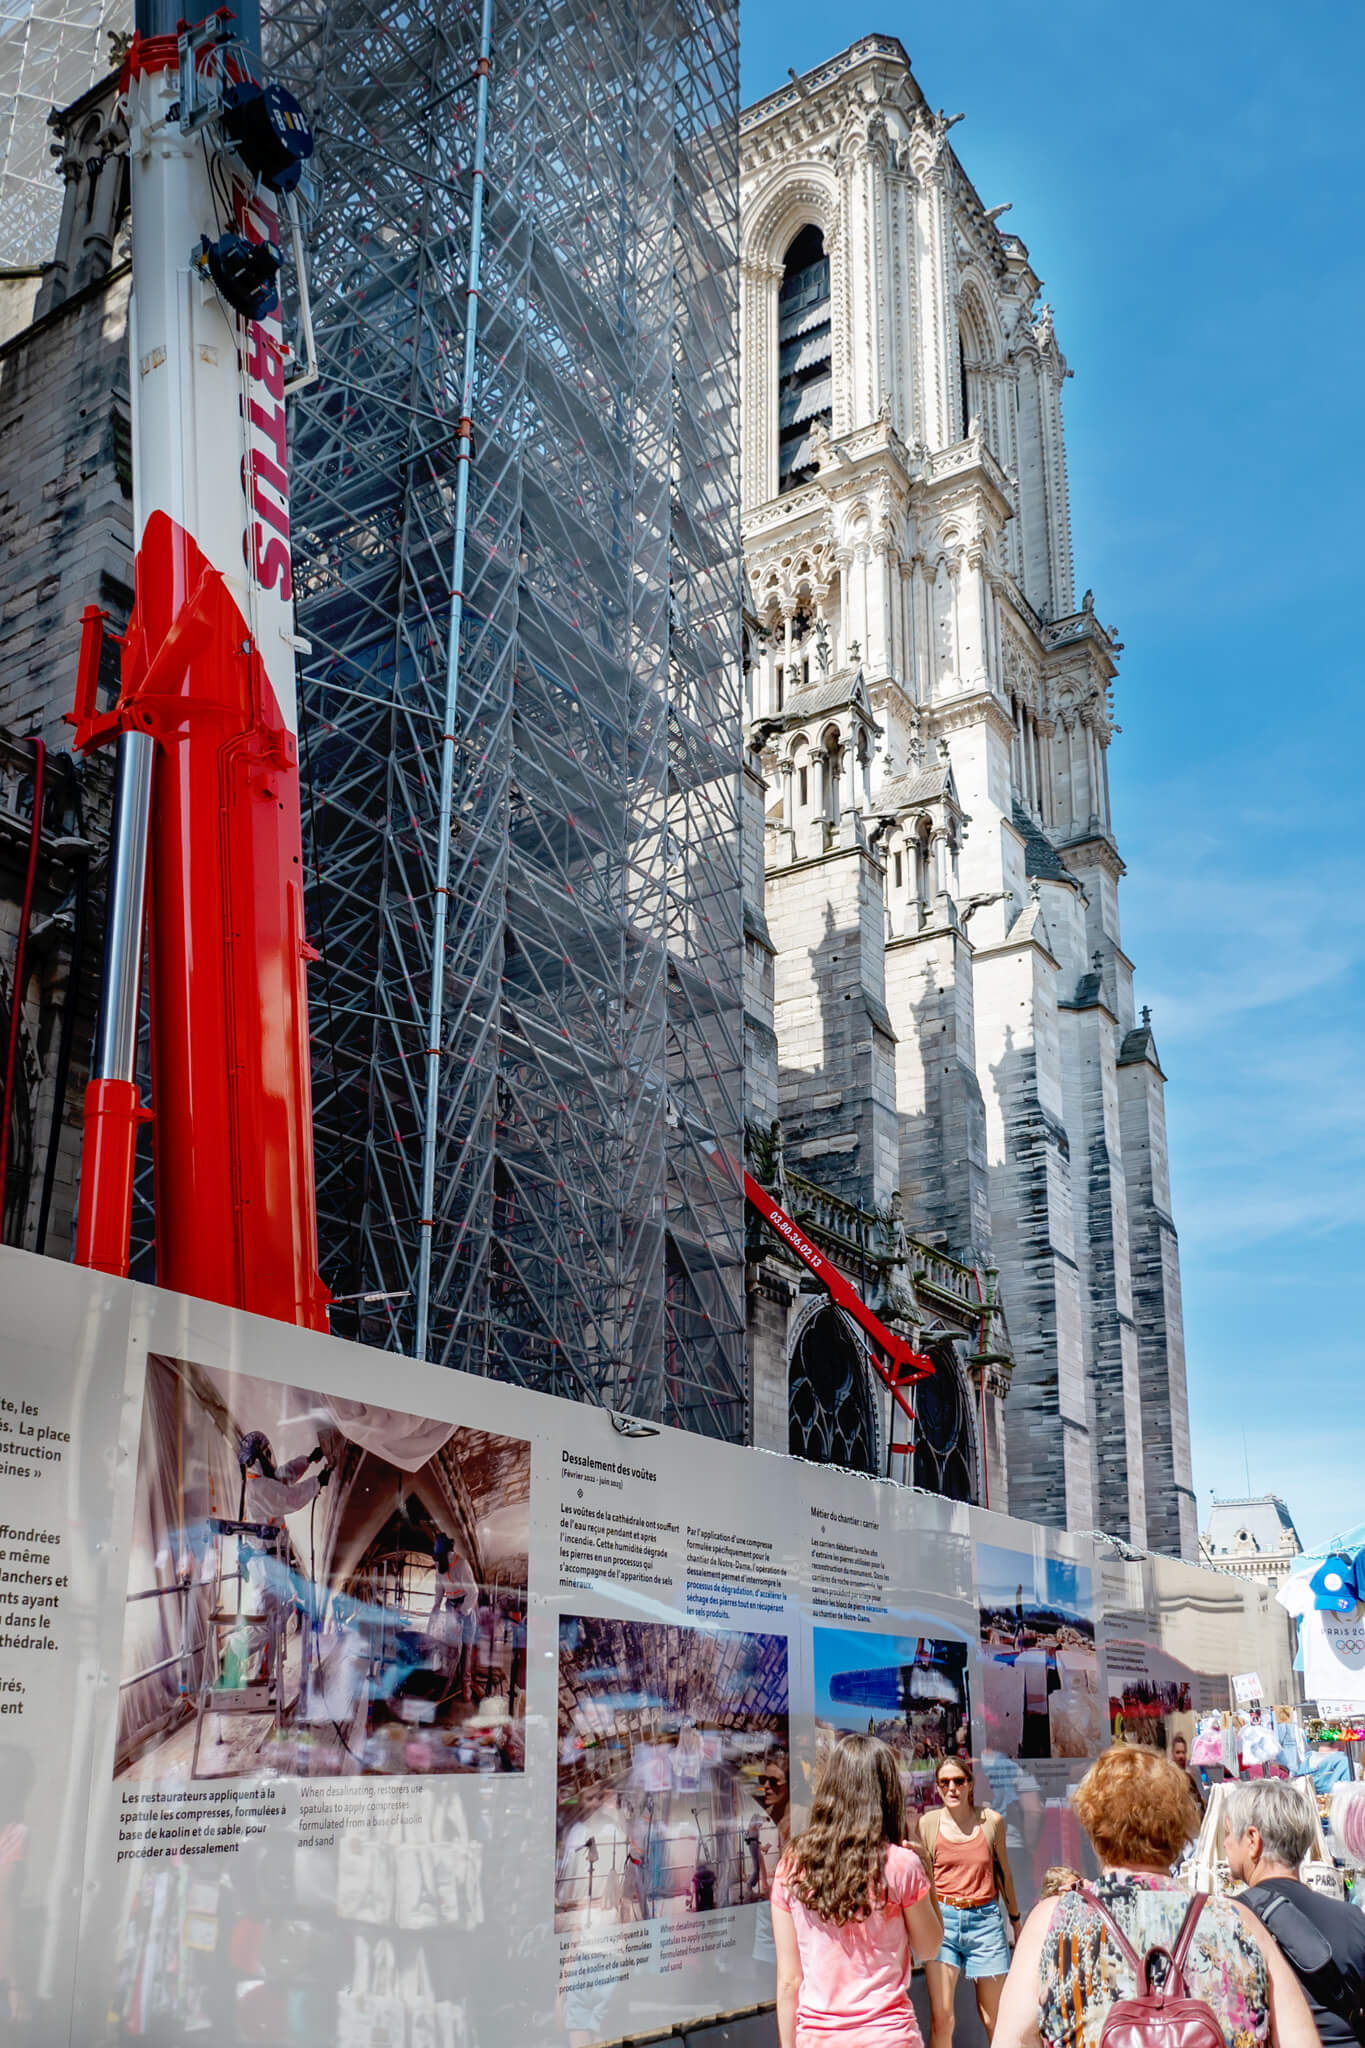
[[673, 1770], [1039, 1670], [319, 1587], [912, 1691], [1151, 1697]]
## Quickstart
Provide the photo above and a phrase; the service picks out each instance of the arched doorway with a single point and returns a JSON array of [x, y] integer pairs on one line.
[[830, 1410], [945, 1441]]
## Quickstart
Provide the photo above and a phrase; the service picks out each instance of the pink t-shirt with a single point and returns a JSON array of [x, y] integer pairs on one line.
[[853, 1977]]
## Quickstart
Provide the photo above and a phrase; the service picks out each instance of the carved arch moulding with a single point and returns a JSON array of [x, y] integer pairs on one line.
[[981, 317], [1022, 675], [775, 216], [797, 578]]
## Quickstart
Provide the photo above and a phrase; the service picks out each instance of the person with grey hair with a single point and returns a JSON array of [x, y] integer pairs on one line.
[[1270, 1829]]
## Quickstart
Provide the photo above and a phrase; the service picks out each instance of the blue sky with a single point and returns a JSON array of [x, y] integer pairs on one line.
[[1046, 1581], [1187, 179]]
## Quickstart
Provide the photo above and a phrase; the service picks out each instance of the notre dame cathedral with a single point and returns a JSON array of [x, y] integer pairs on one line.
[[950, 1088], [949, 1076]]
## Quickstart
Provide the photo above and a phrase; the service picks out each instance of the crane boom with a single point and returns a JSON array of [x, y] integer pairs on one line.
[[895, 1362], [207, 846]]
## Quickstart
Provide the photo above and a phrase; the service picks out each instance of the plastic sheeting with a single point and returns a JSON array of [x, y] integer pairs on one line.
[[192, 1473], [407, 1441]]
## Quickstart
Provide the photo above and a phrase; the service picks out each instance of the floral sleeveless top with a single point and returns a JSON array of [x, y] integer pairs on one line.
[[1083, 1973]]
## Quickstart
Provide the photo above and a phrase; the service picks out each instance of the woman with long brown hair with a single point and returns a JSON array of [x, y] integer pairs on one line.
[[969, 1866], [852, 1909]]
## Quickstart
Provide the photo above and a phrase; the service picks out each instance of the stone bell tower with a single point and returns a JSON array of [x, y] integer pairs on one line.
[[932, 709]]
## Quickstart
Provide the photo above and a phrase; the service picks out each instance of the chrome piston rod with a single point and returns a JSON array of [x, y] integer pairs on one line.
[[121, 989]]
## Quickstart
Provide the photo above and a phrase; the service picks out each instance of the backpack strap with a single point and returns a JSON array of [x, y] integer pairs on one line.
[[1310, 1955], [1306, 1947], [929, 1825], [1121, 1941], [1141, 1966], [1185, 1938]]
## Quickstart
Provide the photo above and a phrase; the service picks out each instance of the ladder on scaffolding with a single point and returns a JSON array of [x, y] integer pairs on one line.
[[234, 1639]]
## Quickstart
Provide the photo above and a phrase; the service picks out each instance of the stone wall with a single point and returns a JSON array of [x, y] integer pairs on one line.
[[65, 498], [65, 543], [836, 1075]]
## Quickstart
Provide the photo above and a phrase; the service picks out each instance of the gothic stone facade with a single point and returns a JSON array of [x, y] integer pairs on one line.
[[948, 1084], [65, 543], [952, 1022]]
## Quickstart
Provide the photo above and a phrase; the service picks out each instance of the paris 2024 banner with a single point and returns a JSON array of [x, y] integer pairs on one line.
[[348, 1700]]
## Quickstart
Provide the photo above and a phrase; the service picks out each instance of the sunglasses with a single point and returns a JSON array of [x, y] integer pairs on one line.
[[952, 1781]]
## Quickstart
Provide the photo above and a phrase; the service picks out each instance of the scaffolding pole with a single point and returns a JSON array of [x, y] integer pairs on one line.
[[525, 770], [441, 894]]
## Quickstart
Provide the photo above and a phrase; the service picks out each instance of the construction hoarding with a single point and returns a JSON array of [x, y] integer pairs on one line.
[[347, 1699]]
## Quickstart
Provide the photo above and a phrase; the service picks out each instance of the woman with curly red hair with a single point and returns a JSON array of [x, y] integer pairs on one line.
[[852, 1910], [1069, 1969]]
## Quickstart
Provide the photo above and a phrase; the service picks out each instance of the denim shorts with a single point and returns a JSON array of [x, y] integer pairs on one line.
[[974, 1940]]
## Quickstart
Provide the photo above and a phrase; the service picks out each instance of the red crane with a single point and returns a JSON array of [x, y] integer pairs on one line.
[[893, 1360]]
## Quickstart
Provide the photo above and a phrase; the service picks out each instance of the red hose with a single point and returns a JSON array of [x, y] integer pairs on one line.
[[17, 998]]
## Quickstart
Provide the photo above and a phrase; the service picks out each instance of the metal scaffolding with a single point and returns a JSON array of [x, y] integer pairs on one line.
[[587, 1233], [51, 51]]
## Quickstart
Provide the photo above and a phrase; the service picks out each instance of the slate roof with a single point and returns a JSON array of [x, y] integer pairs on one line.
[[1041, 857], [831, 693], [1262, 1526], [903, 792], [1089, 991], [1139, 1044], [756, 926]]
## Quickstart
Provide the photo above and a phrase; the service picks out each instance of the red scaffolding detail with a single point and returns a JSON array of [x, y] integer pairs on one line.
[[892, 1359]]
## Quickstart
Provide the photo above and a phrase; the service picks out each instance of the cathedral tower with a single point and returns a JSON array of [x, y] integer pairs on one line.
[[954, 1011]]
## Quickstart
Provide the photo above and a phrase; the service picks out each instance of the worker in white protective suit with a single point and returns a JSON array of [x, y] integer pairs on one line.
[[454, 1624], [270, 1592], [271, 1492]]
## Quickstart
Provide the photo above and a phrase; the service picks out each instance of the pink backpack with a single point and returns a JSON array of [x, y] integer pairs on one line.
[[1164, 2015]]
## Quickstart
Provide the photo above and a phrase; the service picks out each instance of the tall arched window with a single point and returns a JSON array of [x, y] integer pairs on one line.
[[830, 1405], [804, 379], [977, 350], [945, 1442]]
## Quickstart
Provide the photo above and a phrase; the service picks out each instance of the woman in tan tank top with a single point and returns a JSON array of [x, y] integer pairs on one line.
[[964, 1853]]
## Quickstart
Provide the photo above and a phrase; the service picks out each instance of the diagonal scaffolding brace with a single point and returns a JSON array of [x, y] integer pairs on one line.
[[520, 580]]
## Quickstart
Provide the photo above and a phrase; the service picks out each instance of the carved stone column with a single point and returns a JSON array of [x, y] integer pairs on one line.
[[882, 645], [758, 325], [936, 286], [938, 859], [788, 810], [843, 561]]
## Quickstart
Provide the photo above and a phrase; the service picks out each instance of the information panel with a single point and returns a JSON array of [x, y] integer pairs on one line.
[[350, 1701]]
